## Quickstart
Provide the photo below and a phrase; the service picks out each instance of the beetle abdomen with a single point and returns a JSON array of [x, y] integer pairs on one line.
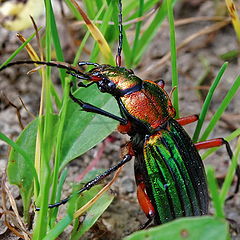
[[176, 181]]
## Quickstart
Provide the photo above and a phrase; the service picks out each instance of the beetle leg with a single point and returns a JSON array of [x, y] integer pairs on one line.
[[186, 120], [88, 63], [90, 108], [217, 142], [78, 76], [144, 201], [93, 182], [80, 84], [99, 178]]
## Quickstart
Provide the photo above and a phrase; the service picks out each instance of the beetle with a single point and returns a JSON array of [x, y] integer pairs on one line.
[[170, 176]]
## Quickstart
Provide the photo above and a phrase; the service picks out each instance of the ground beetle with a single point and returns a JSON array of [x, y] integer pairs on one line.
[[169, 172]]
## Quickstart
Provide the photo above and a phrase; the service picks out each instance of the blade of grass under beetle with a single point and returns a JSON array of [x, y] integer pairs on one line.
[[63, 114], [59, 137], [221, 108], [65, 84], [191, 228], [207, 101], [62, 179]]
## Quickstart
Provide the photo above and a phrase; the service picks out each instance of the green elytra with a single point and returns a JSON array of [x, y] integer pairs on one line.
[[175, 174]]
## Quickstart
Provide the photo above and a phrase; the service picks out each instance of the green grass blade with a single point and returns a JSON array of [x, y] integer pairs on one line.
[[79, 51], [129, 8], [230, 174], [213, 187], [73, 10], [207, 101], [103, 28], [63, 223], [17, 51], [59, 139], [151, 31], [46, 138], [59, 228], [57, 45], [221, 108], [90, 8], [61, 182], [17, 148], [173, 57], [99, 4], [137, 32], [126, 50], [96, 34]]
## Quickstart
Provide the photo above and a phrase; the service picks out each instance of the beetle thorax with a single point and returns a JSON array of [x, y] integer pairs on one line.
[[117, 81]]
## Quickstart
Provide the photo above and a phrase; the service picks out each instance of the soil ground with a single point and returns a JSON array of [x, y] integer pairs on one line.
[[198, 63]]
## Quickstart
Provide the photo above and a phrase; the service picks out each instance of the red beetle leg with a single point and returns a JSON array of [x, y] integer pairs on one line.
[[217, 142], [186, 120], [144, 201]]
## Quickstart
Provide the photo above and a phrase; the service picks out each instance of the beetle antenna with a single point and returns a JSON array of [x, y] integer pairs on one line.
[[51, 64], [120, 40]]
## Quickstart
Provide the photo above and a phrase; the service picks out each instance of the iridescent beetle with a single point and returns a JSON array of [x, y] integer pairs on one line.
[[169, 172]]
